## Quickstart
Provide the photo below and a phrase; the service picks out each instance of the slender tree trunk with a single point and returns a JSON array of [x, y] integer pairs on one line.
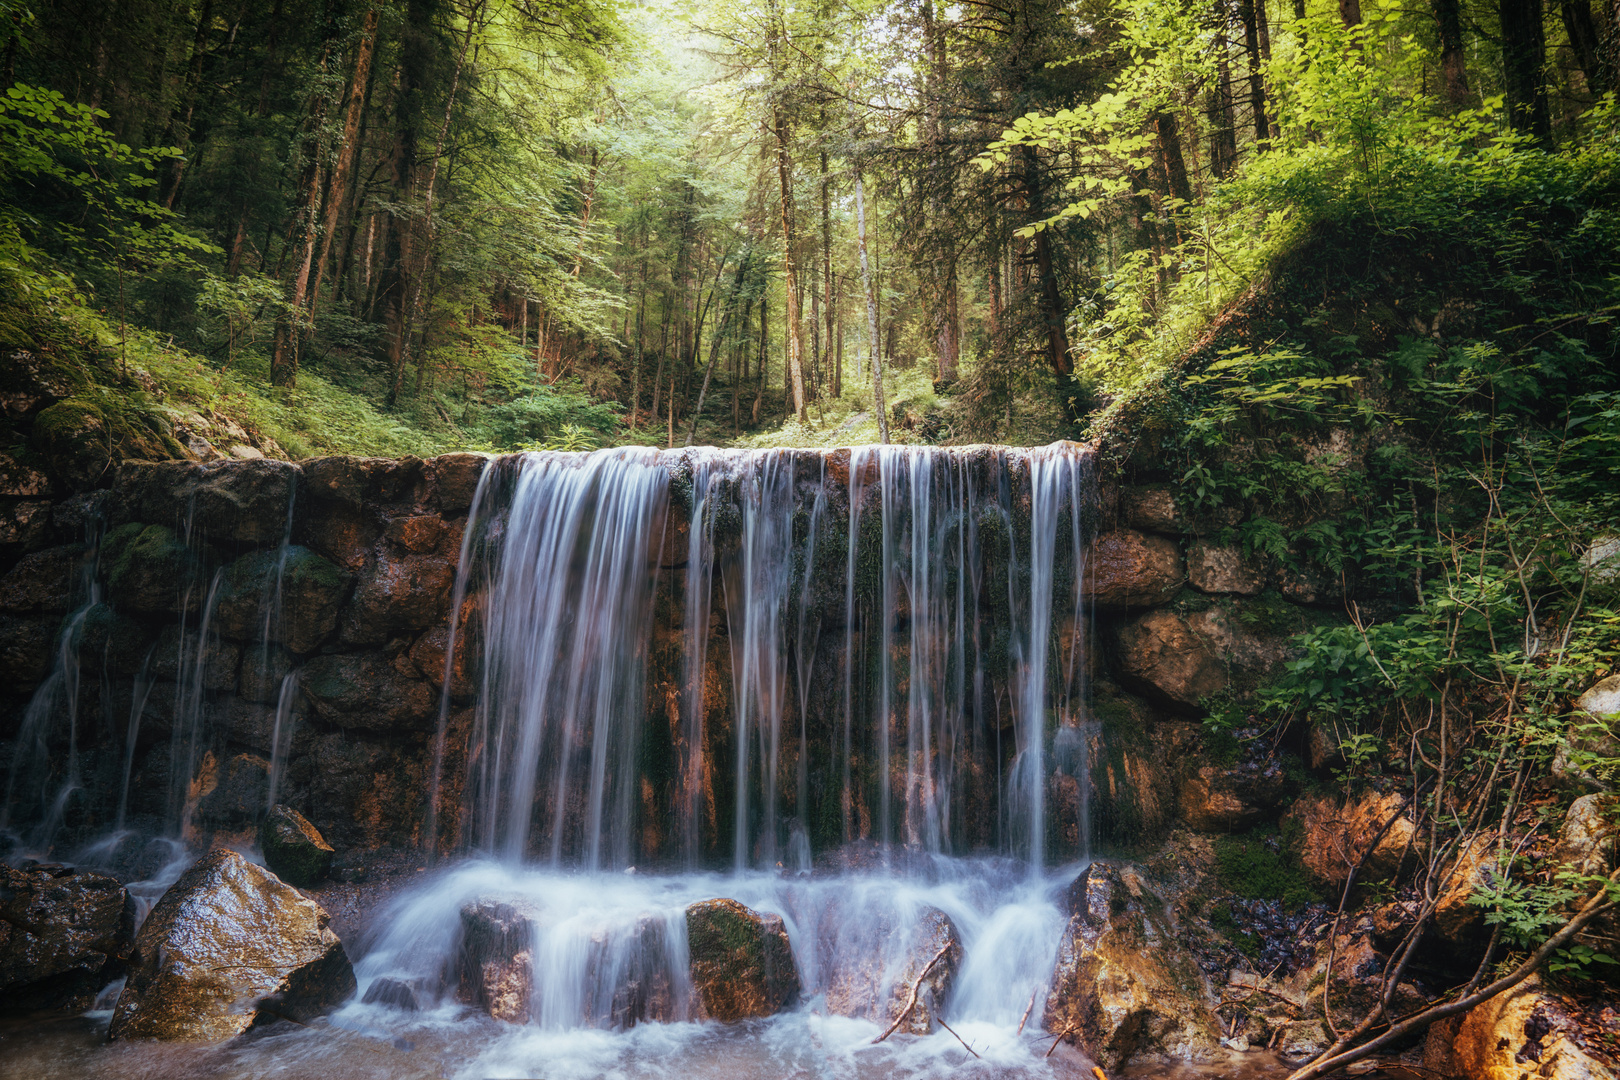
[[871, 312], [178, 131], [1257, 83], [1052, 313], [641, 334], [1171, 162], [1524, 63], [337, 190], [416, 56], [414, 310], [759, 391], [790, 274], [1349, 11]]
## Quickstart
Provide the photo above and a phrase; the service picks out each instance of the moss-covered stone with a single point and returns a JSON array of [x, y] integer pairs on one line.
[[741, 962], [294, 848], [147, 568]]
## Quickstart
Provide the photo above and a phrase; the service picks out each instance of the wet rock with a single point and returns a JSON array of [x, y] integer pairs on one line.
[[418, 533], [64, 933], [26, 647], [366, 691], [1524, 1031], [409, 593], [25, 524], [1231, 799], [173, 656], [1178, 658], [43, 580], [20, 481], [113, 642], [392, 993], [294, 848], [1123, 986], [741, 962], [229, 943], [1212, 568], [1303, 1039], [150, 570], [642, 986], [311, 592], [1126, 569], [496, 965], [1152, 509], [264, 671], [1341, 834], [428, 656], [241, 789], [78, 443], [876, 964], [1590, 835]]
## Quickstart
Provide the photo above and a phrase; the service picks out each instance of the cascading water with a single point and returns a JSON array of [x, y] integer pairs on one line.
[[840, 688]]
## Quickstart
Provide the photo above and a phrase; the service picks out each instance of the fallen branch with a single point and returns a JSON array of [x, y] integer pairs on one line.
[[1060, 1035], [915, 987], [959, 1038], [1028, 1009]]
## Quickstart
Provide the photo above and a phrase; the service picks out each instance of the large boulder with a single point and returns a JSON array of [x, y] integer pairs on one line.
[[64, 933], [22, 481], [1456, 918], [228, 943], [366, 691], [1153, 509], [24, 524], [496, 959], [311, 591], [26, 648], [741, 962], [875, 965], [455, 479], [1126, 569], [294, 848], [1123, 986], [1524, 1031], [1215, 799]]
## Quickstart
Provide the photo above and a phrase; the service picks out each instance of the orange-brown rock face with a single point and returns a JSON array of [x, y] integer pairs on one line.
[[1126, 569]]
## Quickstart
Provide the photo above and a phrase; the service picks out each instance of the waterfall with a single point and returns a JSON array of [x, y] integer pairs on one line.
[[883, 645]]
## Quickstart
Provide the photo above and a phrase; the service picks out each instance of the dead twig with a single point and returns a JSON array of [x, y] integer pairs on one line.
[[959, 1038], [1060, 1036], [915, 987], [1028, 1009]]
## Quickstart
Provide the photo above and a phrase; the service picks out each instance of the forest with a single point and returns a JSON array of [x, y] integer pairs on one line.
[[437, 224]]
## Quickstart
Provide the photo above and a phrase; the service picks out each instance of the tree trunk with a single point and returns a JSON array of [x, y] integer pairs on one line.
[[1453, 65], [1052, 313], [416, 55], [1222, 116], [1257, 83], [337, 190], [875, 345], [795, 344], [414, 311], [1586, 43], [1524, 63], [177, 132], [1349, 11], [1171, 161]]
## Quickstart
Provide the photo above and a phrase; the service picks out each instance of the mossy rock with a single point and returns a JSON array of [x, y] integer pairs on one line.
[[294, 848], [147, 566], [741, 963], [83, 438]]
